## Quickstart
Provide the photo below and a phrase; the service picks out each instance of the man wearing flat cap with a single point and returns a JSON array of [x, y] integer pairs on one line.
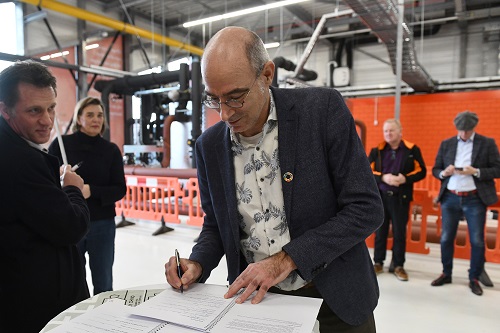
[[467, 165]]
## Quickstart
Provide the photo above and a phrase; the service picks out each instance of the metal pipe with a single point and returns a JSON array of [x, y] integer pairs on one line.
[[399, 58], [127, 83], [196, 95], [112, 23], [315, 37], [167, 123], [49, 63]]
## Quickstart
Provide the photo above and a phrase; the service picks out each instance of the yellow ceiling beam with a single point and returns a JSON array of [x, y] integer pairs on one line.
[[112, 23]]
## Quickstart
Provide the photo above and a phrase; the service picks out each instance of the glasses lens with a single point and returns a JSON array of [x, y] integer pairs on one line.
[[210, 103], [232, 103], [393, 155]]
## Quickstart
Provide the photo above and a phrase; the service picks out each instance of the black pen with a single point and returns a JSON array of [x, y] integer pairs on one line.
[[179, 271], [76, 166]]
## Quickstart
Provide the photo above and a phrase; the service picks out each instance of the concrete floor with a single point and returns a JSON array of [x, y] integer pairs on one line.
[[412, 306]]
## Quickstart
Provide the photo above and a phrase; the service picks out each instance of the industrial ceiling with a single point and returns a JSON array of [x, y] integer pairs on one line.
[[366, 20], [292, 22]]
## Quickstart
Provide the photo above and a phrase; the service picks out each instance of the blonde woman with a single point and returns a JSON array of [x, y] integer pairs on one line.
[[101, 167]]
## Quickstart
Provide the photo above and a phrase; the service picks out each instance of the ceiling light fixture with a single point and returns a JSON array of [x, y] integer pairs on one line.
[[91, 46], [271, 45], [241, 12], [54, 55]]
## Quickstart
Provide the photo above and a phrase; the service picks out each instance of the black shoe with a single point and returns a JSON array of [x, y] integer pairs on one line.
[[391, 267], [485, 279], [442, 279], [475, 287]]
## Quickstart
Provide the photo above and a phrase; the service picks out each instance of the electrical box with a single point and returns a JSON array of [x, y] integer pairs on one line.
[[341, 77]]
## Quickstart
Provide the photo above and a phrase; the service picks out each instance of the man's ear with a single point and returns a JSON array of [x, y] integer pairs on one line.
[[4, 111], [268, 72]]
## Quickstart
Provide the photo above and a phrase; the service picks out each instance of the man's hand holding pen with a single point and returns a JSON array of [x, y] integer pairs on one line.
[[260, 275], [75, 181], [70, 177], [190, 272]]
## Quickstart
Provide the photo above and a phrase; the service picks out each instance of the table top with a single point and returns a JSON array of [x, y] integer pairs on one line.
[[131, 297]]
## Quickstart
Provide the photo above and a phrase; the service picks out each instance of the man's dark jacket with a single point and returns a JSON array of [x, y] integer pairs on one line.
[[412, 167], [485, 157], [41, 271], [332, 204]]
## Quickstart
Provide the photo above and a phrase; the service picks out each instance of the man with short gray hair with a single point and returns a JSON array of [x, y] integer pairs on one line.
[[396, 165]]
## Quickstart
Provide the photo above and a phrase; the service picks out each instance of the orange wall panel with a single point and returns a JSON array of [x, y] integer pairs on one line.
[[428, 119]]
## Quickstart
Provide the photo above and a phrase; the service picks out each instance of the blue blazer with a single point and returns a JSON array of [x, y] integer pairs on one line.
[[332, 204], [485, 157]]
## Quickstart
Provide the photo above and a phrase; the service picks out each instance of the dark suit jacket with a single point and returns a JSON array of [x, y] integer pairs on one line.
[[41, 271], [485, 157], [332, 204]]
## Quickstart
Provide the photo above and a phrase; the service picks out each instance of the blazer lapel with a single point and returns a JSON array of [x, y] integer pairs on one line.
[[287, 132], [452, 152], [225, 158], [476, 147]]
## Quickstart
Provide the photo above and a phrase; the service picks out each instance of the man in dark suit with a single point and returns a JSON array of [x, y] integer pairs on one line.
[[41, 271], [466, 164], [291, 220]]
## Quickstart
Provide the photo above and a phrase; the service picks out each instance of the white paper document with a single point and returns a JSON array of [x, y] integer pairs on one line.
[[203, 308], [110, 317]]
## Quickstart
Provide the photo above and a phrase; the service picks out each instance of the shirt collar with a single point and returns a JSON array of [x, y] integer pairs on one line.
[[471, 139], [271, 118], [36, 145], [388, 146]]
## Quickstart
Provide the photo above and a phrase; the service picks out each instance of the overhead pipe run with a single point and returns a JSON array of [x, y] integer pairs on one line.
[[305, 75], [382, 17], [130, 84], [113, 24], [314, 38], [56, 64]]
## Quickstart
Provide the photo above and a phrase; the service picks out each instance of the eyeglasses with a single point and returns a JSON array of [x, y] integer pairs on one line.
[[393, 154], [234, 103]]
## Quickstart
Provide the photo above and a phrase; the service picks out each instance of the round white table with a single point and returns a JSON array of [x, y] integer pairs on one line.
[[131, 297]]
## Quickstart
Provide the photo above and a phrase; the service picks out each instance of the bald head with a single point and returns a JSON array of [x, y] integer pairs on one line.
[[236, 68], [234, 49]]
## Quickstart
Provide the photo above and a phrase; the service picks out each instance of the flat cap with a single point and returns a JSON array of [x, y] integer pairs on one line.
[[466, 121]]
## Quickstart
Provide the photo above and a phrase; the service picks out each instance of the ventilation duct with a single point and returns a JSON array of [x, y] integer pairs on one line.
[[381, 16]]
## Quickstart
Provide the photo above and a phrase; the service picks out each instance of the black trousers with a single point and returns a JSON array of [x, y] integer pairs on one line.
[[329, 322], [396, 212]]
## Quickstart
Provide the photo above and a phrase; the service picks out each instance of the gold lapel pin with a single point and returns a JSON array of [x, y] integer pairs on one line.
[[287, 176]]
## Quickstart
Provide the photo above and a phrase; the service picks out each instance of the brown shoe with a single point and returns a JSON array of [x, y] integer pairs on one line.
[[400, 273], [378, 268]]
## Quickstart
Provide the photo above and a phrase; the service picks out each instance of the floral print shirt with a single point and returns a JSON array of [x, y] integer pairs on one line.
[[259, 195]]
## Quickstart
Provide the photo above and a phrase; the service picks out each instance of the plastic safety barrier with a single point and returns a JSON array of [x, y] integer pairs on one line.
[[151, 198], [195, 214]]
